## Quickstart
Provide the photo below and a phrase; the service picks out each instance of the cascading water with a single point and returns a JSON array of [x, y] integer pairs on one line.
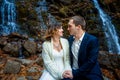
[[7, 17], [109, 30], [43, 10]]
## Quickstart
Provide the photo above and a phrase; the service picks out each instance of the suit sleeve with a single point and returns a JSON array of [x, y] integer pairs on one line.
[[49, 63], [93, 48]]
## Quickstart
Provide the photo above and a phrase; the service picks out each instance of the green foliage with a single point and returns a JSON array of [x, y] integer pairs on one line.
[[64, 10], [27, 16], [32, 22]]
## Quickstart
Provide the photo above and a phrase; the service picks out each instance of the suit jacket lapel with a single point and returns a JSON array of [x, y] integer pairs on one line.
[[82, 46], [71, 42]]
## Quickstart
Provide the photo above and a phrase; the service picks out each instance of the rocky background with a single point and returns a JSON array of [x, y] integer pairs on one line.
[[20, 54]]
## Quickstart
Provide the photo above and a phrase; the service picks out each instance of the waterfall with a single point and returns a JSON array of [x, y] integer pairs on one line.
[[109, 30], [41, 10], [8, 17]]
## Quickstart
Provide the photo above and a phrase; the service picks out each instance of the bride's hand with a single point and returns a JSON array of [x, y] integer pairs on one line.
[[68, 74]]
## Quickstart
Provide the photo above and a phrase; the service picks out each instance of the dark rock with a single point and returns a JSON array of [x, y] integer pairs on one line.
[[12, 48], [12, 67], [30, 46]]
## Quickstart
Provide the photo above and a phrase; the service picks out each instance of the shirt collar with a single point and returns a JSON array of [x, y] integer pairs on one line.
[[81, 38]]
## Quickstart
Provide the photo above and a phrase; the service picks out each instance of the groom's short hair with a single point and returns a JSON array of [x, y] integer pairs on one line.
[[79, 20]]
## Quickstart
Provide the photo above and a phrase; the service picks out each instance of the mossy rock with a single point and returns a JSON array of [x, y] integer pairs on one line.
[[64, 10]]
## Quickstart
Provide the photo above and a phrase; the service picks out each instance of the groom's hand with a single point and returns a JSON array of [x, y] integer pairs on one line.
[[68, 74]]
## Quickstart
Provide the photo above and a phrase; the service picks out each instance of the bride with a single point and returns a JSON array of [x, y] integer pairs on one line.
[[55, 53]]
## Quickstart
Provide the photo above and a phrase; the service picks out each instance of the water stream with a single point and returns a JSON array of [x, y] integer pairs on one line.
[[109, 30], [8, 17]]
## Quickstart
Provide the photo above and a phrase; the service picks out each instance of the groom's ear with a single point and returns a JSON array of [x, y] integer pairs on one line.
[[79, 27]]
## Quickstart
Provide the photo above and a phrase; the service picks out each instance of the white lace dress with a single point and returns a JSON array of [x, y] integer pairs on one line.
[[58, 56]]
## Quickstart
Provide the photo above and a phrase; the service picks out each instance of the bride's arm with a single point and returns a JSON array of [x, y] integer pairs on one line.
[[49, 63]]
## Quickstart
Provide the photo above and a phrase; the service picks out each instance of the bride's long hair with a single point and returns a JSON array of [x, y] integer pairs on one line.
[[52, 28]]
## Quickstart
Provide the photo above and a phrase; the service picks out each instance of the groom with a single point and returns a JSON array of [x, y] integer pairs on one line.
[[83, 52]]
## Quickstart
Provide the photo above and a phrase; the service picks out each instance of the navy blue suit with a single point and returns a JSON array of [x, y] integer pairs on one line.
[[89, 68]]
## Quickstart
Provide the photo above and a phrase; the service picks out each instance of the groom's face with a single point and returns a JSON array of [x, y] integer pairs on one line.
[[71, 27]]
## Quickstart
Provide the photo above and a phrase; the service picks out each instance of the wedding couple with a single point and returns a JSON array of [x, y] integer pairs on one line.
[[75, 59]]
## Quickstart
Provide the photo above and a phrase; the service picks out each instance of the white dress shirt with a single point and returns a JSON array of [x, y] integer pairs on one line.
[[75, 49]]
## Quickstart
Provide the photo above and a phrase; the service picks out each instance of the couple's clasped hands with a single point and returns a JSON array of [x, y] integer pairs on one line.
[[68, 74]]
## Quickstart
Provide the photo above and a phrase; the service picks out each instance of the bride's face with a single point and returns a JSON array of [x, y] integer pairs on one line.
[[59, 32]]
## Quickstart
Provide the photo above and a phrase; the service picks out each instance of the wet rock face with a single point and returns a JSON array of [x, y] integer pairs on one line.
[[17, 45], [63, 9], [110, 65], [65, 2]]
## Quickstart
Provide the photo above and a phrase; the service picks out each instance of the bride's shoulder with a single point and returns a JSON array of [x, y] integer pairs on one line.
[[63, 39]]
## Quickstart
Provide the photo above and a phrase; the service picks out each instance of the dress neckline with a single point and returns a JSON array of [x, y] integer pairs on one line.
[[58, 51]]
